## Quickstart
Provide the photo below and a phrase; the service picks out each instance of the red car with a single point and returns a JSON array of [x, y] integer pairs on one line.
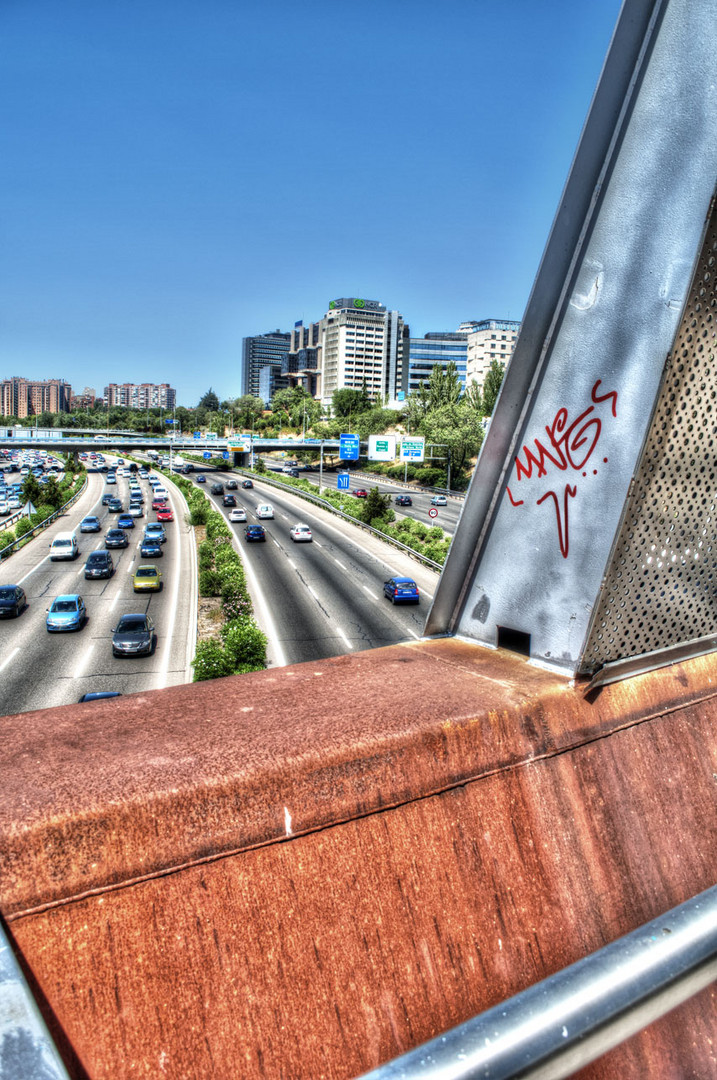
[[165, 514], [158, 504], [361, 493]]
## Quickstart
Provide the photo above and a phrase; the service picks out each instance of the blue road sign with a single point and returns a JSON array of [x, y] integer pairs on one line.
[[342, 481], [169, 421], [349, 447], [206, 455], [197, 434], [225, 455]]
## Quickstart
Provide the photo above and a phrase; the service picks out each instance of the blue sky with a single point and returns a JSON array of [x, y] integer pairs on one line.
[[177, 175]]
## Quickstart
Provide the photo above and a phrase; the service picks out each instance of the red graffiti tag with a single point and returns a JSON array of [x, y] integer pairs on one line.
[[568, 446]]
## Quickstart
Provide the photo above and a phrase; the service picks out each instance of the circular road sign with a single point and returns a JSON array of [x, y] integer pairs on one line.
[[433, 512], [206, 455]]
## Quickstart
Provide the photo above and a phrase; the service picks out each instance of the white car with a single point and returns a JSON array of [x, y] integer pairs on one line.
[[4, 506], [265, 511], [14, 503], [439, 500], [300, 534], [136, 510], [237, 514]]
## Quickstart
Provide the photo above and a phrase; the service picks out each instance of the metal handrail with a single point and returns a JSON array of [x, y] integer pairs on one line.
[[563, 1023], [8, 550]]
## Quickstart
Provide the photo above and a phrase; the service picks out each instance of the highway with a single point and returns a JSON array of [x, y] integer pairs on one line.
[[39, 669], [324, 598]]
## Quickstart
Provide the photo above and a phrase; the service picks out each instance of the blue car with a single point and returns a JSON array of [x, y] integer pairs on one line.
[[150, 548], [401, 590], [201, 479], [67, 612], [155, 531], [125, 521], [90, 524]]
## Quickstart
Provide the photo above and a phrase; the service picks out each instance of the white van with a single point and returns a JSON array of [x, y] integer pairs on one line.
[[64, 546]]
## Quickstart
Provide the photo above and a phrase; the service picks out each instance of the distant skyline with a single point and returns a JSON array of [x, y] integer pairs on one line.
[[177, 176]]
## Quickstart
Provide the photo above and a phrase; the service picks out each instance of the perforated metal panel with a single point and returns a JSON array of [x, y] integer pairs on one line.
[[660, 589]]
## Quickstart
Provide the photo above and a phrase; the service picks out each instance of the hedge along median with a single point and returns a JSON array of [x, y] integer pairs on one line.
[[242, 645]]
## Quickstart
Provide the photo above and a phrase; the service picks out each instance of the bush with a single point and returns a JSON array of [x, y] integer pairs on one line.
[[244, 644], [210, 661], [205, 555], [7, 537], [198, 512], [23, 527], [42, 513], [209, 583]]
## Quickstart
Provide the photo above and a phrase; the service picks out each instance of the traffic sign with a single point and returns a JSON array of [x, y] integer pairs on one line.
[[412, 448], [225, 455], [433, 512], [197, 434], [343, 480], [349, 447], [381, 447], [170, 421], [206, 455]]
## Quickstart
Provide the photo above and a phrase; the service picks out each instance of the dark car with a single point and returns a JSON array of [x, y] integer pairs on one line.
[[254, 532], [125, 521], [115, 506], [401, 590], [403, 500], [217, 489], [97, 694], [116, 538], [150, 549], [12, 600], [201, 479], [231, 485], [100, 564], [230, 500], [134, 636], [247, 484], [107, 499]]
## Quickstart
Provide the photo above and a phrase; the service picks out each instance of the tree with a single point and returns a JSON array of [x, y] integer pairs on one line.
[[474, 395], [31, 490], [376, 507], [458, 429], [209, 401], [491, 387], [443, 387], [348, 402], [247, 409]]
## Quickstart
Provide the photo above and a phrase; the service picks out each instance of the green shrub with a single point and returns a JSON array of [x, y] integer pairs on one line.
[[198, 512], [210, 661], [7, 537], [23, 526], [209, 583], [244, 644], [42, 513], [205, 555]]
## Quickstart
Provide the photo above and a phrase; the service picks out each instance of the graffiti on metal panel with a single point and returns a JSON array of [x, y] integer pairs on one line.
[[568, 448]]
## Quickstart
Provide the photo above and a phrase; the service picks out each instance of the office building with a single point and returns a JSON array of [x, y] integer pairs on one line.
[[431, 350], [262, 350], [24, 397], [140, 396], [489, 340]]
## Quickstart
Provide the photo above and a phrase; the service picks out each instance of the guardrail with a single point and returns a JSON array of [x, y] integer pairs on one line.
[[6, 551], [347, 517]]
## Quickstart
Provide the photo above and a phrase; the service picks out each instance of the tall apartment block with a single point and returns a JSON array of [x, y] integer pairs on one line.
[[357, 342], [23, 397], [263, 350], [433, 349], [488, 340], [140, 395]]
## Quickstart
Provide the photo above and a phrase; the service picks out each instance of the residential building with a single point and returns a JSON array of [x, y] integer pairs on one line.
[[262, 350], [356, 342], [489, 340], [140, 396], [85, 400], [24, 397], [432, 349]]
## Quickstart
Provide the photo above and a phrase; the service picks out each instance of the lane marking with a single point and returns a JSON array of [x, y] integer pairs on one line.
[[340, 632], [292, 564], [340, 564], [115, 598], [84, 661], [10, 656], [369, 591]]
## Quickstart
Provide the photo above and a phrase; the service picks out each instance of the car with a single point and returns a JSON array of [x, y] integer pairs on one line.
[[237, 514], [90, 524], [115, 506], [66, 612], [265, 511], [403, 500], [232, 485], [300, 533], [64, 546], [134, 635], [401, 590], [107, 499], [157, 504], [116, 538], [155, 529], [247, 484], [147, 579], [150, 548], [120, 461], [110, 478], [254, 532], [14, 503], [216, 489], [95, 695], [99, 564], [143, 474], [136, 509], [125, 521], [439, 500], [4, 507], [361, 493], [12, 600], [293, 472], [201, 479], [229, 500], [165, 514]]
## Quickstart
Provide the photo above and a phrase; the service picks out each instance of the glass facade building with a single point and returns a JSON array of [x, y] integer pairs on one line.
[[263, 350], [435, 348]]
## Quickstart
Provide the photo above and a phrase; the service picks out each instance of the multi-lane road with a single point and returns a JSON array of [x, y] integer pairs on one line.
[[40, 669]]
